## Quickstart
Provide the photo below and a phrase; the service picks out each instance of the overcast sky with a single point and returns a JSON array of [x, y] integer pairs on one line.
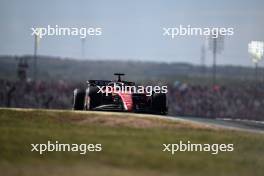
[[132, 29]]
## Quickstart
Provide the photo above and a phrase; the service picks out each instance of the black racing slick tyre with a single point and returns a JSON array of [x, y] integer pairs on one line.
[[159, 104], [78, 99], [93, 98]]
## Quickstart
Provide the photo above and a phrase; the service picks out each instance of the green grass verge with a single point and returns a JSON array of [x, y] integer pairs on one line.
[[132, 145]]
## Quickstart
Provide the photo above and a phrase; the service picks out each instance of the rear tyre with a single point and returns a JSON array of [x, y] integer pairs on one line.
[[159, 104], [78, 99]]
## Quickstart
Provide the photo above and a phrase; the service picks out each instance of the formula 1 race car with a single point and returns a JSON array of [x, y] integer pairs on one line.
[[102, 95]]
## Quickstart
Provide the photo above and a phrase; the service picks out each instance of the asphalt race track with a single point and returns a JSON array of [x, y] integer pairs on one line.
[[242, 125]]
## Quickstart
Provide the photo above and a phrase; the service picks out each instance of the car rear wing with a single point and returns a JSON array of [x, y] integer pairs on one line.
[[106, 82]]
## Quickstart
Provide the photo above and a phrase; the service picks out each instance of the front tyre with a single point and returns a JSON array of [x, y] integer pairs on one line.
[[92, 98], [78, 99]]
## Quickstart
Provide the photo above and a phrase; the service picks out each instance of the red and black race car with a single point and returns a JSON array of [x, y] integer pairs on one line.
[[102, 95]]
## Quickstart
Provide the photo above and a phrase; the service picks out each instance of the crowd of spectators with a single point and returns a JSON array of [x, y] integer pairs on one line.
[[36, 94], [242, 102]]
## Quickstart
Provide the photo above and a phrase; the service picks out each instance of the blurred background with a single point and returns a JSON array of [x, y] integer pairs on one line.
[[206, 81]]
